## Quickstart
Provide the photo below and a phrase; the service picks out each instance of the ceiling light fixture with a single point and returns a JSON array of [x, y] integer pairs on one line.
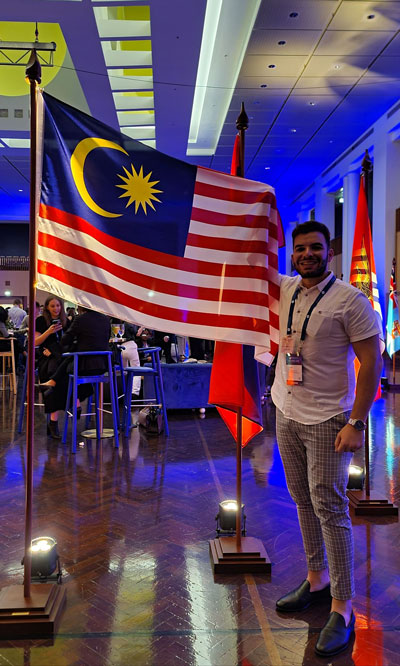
[[312, 103], [293, 130], [281, 42], [271, 66], [228, 25], [267, 168], [263, 85], [293, 14], [337, 66], [370, 17]]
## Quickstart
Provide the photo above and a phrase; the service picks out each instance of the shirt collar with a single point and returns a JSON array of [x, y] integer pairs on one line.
[[318, 286]]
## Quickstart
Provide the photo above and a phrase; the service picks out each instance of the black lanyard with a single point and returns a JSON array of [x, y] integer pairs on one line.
[[308, 315]]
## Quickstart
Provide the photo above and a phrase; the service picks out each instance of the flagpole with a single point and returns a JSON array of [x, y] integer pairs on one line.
[[242, 124], [246, 555], [366, 168], [31, 611], [30, 425]]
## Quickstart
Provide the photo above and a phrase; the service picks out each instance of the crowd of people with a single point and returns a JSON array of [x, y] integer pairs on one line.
[[59, 330]]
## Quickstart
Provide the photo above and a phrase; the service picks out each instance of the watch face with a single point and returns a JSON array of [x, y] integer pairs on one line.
[[358, 424]]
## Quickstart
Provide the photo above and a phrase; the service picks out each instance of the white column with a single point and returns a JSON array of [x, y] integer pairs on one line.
[[351, 185], [304, 214], [325, 209], [289, 247], [386, 199]]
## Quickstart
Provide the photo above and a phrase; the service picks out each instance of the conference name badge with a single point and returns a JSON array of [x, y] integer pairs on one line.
[[294, 366]]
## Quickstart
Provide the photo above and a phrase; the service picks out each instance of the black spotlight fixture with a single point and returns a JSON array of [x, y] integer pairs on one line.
[[356, 478], [45, 562], [226, 518]]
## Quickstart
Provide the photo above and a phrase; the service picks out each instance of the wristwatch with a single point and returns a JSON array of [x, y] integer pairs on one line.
[[357, 424]]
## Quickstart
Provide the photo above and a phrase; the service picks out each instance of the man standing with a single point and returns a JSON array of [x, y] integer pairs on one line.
[[16, 313], [321, 418]]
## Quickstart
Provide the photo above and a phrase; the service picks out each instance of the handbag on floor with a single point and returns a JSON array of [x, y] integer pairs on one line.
[[151, 419]]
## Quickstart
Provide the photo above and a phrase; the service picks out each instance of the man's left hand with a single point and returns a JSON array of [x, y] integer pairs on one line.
[[349, 439]]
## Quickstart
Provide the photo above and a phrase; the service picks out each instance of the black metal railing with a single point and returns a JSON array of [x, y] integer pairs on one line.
[[14, 263]]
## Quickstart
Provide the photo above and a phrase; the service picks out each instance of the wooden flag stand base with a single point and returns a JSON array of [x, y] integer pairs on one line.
[[365, 505], [249, 557], [36, 616]]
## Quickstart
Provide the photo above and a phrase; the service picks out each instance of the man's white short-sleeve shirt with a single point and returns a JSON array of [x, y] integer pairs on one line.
[[344, 315]]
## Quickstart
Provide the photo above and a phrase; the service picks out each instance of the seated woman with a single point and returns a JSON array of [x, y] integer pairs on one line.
[[4, 332], [129, 352], [90, 331], [48, 332]]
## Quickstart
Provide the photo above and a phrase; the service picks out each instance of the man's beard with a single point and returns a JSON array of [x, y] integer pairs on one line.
[[313, 271]]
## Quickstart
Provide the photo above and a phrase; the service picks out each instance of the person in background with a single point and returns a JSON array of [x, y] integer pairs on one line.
[[90, 331], [25, 322], [16, 313], [48, 333], [71, 314], [22, 338], [164, 340], [196, 348], [4, 332], [130, 355]]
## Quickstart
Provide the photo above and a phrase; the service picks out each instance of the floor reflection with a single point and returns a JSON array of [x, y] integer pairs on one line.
[[133, 526]]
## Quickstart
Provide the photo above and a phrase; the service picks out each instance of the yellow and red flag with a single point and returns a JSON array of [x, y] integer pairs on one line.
[[362, 270]]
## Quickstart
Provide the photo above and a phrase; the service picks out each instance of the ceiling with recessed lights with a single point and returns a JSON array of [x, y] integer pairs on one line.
[[313, 75]]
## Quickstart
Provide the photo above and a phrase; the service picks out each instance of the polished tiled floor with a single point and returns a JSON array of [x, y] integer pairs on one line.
[[133, 527]]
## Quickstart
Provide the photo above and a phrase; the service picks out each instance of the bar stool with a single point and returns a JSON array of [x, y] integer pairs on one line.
[[155, 371], [7, 357], [118, 367], [76, 379]]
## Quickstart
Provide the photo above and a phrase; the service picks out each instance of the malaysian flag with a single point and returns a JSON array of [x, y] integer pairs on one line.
[[138, 235]]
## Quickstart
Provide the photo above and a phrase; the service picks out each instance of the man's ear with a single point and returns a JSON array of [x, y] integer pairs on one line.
[[331, 254]]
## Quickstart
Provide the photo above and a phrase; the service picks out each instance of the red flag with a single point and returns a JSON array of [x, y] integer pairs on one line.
[[234, 379], [362, 271]]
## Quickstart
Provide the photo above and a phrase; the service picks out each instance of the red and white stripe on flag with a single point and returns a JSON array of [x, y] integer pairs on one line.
[[225, 287]]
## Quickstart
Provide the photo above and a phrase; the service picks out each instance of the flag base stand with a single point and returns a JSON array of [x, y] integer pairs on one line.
[[366, 505], [36, 616], [227, 558]]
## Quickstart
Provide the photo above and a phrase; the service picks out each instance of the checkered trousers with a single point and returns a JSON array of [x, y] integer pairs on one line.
[[317, 478]]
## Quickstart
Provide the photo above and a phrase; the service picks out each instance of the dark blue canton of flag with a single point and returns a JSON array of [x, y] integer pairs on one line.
[[161, 219]]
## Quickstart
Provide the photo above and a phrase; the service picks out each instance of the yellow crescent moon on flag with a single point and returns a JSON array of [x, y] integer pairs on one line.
[[78, 158]]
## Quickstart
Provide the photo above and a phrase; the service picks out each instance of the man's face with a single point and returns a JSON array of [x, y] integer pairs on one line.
[[311, 254]]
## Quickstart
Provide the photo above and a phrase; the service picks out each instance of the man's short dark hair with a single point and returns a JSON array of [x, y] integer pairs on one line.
[[17, 301], [312, 225]]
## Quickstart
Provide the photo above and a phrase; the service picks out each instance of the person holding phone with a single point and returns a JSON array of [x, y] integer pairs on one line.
[[48, 331]]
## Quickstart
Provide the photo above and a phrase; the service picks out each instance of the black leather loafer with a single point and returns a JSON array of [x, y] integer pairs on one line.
[[334, 636], [301, 598]]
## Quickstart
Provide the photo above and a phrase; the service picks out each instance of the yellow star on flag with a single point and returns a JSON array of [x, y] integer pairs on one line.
[[139, 189]]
